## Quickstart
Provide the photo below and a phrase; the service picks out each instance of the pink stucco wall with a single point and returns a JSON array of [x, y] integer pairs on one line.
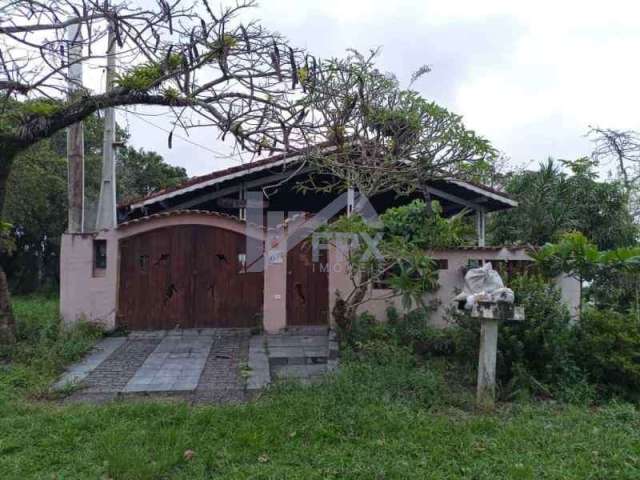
[[84, 294], [450, 280]]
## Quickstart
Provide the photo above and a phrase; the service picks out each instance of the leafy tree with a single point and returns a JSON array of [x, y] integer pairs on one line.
[[37, 199], [184, 55], [614, 274], [36, 208], [552, 202], [380, 137], [620, 148], [406, 234], [141, 173]]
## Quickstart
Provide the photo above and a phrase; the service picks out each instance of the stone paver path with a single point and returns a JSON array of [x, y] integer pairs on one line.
[[175, 365], [81, 370], [113, 374], [223, 378], [303, 354], [198, 365]]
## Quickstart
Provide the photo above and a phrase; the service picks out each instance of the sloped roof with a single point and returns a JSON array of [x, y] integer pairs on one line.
[[285, 159]]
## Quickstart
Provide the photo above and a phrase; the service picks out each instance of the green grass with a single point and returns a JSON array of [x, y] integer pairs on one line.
[[381, 418], [43, 348]]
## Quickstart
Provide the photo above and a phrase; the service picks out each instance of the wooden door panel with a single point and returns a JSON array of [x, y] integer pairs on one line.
[[187, 276], [307, 287]]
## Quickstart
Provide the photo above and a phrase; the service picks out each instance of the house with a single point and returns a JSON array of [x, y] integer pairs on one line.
[[216, 251]]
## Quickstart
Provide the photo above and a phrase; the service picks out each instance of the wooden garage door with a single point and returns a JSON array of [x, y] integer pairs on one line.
[[187, 276], [307, 287]]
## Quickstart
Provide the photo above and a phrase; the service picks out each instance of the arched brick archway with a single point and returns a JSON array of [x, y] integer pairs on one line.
[[187, 273]]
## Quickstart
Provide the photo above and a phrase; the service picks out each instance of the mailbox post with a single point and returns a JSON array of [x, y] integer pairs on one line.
[[490, 313]]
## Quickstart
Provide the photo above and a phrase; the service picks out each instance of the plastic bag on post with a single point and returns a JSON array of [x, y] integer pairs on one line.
[[483, 281]]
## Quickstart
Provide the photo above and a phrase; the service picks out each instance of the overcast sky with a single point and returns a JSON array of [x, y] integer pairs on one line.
[[530, 76]]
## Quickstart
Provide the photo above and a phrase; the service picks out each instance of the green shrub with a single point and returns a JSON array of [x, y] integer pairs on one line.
[[608, 348], [534, 356], [411, 330], [415, 331], [543, 343], [364, 327], [614, 290]]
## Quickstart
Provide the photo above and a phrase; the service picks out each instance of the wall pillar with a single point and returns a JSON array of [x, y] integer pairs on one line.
[[87, 294], [481, 217], [275, 274]]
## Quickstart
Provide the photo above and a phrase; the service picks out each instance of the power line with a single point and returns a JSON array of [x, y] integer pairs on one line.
[[140, 117]]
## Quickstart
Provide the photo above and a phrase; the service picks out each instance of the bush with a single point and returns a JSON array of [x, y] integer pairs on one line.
[[534, 356], [414, 330], [542, 344], [411, 330], [614, 290], [608, 348]]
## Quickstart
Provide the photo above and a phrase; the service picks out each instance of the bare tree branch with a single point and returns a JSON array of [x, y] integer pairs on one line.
[[622, 149], [183, 53]]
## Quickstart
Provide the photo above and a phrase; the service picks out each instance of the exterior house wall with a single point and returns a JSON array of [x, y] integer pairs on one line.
[[83, 293], [451, 281], [93, 296], [571, 293]]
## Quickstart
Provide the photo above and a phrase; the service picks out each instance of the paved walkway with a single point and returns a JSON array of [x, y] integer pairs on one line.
[[304, 355], [203, 365], [198, 365]]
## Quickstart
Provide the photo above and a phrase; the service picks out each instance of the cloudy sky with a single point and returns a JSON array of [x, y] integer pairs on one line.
[[530, 76]]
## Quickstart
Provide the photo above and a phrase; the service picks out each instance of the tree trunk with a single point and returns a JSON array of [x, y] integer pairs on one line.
[[7, 323], [426, 195], [345, 311]]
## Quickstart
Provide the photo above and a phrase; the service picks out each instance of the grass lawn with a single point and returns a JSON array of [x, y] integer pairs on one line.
[[382, 420]]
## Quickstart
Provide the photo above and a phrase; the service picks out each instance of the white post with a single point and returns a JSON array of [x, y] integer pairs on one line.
[[75, 135], [106, 218], [351, 200], [480, 226], [486, 391]]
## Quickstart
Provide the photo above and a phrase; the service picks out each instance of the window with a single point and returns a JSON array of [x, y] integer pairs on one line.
[[441, 263], [99, 257], [474, 263]]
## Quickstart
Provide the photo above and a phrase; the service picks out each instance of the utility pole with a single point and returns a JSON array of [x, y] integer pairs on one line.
[[106, 217], [75, 134]]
